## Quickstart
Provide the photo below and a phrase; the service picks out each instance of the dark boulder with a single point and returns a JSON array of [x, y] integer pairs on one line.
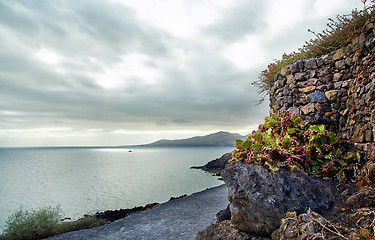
[[259, 198], [223, 215]]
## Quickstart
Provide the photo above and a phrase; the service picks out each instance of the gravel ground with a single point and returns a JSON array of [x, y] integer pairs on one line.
[[178, 219]]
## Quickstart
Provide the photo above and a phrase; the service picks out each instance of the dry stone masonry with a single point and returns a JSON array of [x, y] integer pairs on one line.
[[336, 90]]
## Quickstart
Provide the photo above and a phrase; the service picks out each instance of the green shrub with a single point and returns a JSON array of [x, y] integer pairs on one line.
[[339, 33], [282, 142], [34, 224], [43, 223]]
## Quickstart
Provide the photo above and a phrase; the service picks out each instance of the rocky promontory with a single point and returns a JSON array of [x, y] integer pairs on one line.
[[262, 201], [216, 166]]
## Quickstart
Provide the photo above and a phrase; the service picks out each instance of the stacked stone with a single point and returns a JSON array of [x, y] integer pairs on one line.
[[336, 90]]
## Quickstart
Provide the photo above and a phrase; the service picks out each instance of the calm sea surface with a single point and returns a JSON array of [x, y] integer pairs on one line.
[[86, 180]]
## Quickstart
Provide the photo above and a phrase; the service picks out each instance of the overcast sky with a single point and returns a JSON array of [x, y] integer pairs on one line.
[[117, 72]]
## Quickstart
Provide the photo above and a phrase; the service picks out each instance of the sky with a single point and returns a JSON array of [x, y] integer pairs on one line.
[[120, 72]]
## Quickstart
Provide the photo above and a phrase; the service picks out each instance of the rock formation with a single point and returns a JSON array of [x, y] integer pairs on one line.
[[224, 230], [337, 90], [259, 198], [216, 166]]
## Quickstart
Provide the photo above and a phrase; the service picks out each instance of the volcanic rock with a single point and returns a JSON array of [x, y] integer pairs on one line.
[[259, 198]]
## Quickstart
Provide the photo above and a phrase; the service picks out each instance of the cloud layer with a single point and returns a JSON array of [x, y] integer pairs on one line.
[[101, 72]]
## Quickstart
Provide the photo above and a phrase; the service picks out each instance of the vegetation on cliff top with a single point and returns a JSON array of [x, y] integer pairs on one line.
[[282, 142], [339, 33]]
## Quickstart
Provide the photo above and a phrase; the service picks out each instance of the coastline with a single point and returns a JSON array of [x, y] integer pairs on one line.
[[114, 215], [214, 167], [112, 182], [179, 218]]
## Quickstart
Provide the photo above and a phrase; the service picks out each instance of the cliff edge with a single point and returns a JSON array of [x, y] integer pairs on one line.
[[338, 91]]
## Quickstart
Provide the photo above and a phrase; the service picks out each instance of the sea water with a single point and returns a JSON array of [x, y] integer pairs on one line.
[[87, 180]]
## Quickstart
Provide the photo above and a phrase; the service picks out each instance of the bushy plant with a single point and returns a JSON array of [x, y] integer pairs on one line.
[[339, 33], [33, 224], [43, 223], [282, 142]]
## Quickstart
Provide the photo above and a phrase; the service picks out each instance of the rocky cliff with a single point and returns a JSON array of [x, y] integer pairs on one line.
[[337, 90]]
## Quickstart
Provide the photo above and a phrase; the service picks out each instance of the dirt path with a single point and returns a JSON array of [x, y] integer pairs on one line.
[[177, 219]]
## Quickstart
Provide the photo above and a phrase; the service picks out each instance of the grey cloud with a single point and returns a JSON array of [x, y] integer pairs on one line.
[[207, 90], [13, 16], [205, 97], [79, 29], [214, 92], [240, 20], [295, 36]]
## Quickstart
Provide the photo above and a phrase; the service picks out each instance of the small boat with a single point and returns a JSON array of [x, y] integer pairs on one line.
[[130, 151]]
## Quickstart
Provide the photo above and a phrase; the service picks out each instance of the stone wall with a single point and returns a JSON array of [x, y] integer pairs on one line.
[[336, 90]]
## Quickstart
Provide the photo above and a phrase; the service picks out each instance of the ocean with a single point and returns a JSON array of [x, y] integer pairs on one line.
[[86, 180]]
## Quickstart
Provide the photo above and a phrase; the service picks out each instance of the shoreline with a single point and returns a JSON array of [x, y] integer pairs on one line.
[[179, 218], [214, 167], [117, 214], [112, 183]]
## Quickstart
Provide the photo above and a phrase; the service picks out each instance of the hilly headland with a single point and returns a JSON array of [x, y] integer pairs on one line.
[[215, 139]]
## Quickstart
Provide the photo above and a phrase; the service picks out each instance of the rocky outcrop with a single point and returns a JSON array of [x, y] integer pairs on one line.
[[224, 230], [337, 90], [113, 215], [216, 166], [259, 198], [291, 206]]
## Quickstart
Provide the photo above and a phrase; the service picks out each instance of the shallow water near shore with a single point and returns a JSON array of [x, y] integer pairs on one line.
[[86, 180]]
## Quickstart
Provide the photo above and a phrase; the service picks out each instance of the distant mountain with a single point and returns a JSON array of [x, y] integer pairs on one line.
[[215, 139]]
